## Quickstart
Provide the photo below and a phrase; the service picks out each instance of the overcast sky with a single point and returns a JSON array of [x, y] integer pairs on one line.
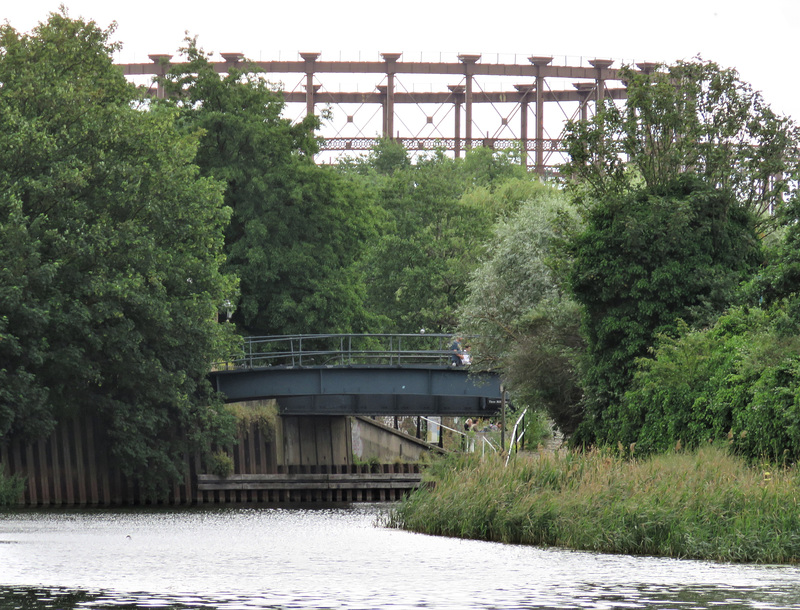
[[760, 39]]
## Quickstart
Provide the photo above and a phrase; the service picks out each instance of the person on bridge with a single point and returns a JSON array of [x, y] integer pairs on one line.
[[457, 353]]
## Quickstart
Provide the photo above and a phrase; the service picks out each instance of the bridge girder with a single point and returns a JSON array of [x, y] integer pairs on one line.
[[470, 85], [365, 390], [389, 404]]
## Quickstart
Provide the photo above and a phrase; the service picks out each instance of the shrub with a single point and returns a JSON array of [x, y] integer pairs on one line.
[[11, 488], [220, 464]]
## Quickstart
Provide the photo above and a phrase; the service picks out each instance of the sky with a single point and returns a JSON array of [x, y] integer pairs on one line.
[[760, 39]]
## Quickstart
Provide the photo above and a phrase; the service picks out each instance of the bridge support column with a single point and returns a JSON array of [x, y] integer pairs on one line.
[[310, 59], [524, 91], [458, 99], [584, 90], [469, 62], [601, 65], [540, 63], [388, 114], [317, 440], [162, 65]]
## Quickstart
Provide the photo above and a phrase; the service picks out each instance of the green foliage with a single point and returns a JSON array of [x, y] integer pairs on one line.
[[388, 156], [690, 118], [263, 414], [701, 505], [522, 322], [436, 216], [643, 262], [11, 488], [677, 187], [297, 228], [737, 381], [111, 247], [220, 464]]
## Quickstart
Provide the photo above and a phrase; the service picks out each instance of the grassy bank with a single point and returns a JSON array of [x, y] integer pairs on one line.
[[703, 505]]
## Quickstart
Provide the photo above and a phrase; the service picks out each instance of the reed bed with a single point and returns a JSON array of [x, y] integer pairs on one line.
[[704, 504]]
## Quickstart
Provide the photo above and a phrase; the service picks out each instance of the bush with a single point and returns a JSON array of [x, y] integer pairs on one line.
[[738, 381], [11, 488], [220, 464], [263, 413]]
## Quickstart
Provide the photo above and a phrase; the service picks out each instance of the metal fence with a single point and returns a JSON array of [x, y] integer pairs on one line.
[[341, 350]]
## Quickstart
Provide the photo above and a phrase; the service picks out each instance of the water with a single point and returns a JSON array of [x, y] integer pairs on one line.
[[337, 558]]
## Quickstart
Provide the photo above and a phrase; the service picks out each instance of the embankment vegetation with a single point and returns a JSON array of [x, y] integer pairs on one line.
[[702, 504], [648, 297]]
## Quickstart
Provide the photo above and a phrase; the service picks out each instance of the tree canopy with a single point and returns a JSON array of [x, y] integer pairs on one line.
[[521, 320], [297, 228], [675, 188], [688, 118], [437, 215], [110, 255], [643, 262]]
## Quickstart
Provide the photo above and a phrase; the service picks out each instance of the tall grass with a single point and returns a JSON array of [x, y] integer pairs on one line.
[[705, 504]]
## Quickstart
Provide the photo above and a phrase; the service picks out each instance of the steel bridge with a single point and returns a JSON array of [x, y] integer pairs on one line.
[[364, 374], [467, 104]]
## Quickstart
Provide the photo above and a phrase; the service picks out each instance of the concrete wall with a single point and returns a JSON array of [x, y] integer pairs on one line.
[[373, 440]]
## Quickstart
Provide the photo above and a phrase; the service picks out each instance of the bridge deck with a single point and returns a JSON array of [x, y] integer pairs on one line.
[[384, 374], [366, 389]]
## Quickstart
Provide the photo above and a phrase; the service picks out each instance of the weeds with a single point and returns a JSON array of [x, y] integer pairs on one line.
[[263, 413], [704, 504], [11, 488], [220, 464]]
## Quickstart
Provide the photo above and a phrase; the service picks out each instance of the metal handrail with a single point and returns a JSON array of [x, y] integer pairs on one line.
[[480, 436], [341, 349]]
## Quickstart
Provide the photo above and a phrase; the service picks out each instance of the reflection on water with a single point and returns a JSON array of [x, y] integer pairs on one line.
[[336, 558]]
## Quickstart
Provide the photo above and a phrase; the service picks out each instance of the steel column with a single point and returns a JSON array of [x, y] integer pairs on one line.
[[310, 59], [458, 98], [540, 63], [524, 91], [391, 66], [469, 62], [162, 64], [601, 65], [584, 90]]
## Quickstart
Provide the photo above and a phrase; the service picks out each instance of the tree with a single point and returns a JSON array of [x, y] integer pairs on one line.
[[735, 382], [111, 247], [438, 214], [675, 188], [643, 262], [297, 228], [522, 322], [689, 118]]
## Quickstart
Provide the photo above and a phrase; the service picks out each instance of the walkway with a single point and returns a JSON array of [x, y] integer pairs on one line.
[[365, 374]]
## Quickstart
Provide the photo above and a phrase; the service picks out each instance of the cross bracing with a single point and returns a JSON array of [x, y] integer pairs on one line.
[[425, 105]]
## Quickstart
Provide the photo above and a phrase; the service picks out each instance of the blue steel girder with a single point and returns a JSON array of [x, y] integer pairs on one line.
[[420, 380], [389, 404]]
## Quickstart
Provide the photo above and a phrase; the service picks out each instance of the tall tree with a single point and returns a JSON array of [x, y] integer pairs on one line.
[[689, 118], [675, 186], [297, 228], [110, 252], [643, 262], [439, 213], [522, 322]]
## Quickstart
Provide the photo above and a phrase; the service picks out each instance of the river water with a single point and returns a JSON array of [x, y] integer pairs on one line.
[[337, 558]]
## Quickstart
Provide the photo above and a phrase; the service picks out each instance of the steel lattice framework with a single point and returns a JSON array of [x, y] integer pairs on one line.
[[463, 108]]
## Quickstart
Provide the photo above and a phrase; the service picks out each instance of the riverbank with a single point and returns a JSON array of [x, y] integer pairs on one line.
[[704, 504]]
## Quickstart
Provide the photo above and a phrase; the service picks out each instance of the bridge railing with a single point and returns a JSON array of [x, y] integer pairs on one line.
[[342, 350]]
